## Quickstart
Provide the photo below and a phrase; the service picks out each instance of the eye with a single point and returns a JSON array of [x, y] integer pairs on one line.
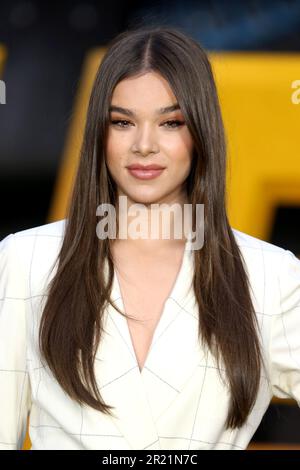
[[116, 122], [178, 123], [173, 124]]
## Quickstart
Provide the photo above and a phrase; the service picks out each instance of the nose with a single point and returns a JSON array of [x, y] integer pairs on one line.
[[145, 142]]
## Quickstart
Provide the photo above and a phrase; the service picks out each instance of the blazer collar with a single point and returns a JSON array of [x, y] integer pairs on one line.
[[139, 397]]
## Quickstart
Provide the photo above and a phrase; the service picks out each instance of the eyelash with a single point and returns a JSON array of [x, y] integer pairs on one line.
[[115, 122]]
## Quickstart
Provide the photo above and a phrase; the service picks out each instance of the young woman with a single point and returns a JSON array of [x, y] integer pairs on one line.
[[146, 343]]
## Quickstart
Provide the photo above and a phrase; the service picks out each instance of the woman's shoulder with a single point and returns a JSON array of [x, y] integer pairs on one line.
[[258, 252], [249, 242], [274, 272], [49, 230], [31, 253], [38, 242], [264, 260]]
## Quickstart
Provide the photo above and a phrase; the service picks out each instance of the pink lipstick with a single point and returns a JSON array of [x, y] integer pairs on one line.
[[145, 172]]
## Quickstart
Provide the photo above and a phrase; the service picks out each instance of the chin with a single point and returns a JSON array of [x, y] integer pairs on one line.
[[148, 198], [143, 196]]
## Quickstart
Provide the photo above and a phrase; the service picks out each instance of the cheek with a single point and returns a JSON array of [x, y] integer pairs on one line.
[[113, 151], [181, 154], [180, 164], [180, 144], [179, 169]]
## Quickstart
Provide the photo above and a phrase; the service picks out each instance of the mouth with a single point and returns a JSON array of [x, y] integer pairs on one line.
[[138, 166], [145, 174]]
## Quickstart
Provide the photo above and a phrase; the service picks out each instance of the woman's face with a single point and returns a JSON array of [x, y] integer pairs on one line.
[[147, 136]]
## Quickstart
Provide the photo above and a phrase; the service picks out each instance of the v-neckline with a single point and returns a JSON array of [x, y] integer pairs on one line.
[[177, 293]]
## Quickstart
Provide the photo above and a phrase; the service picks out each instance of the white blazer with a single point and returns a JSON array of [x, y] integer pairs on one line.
[[178, 401]]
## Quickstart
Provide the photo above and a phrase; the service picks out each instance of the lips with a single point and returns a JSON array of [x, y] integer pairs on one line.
[[145, 172], [145, 167]]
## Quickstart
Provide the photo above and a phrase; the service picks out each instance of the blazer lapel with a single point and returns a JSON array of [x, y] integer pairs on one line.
[[140, 398], [175, 352]]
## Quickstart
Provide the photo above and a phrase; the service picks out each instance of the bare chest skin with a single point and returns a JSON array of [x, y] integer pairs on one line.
[[146, 282]]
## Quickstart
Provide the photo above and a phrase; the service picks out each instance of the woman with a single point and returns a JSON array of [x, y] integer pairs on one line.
[[146, 343]]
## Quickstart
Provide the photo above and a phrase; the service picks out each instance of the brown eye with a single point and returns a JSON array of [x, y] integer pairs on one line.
[[176, 122], [172, 124], [116, 122]]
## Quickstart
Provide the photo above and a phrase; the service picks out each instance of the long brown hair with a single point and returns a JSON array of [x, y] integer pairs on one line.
[[71, 323]]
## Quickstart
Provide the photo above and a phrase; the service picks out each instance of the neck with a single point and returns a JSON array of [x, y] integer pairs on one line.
[[151, 223]]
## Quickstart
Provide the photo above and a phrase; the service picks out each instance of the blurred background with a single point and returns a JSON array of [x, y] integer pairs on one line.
[[49, 53]]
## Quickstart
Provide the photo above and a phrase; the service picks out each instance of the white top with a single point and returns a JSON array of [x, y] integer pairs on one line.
[[178, 401]]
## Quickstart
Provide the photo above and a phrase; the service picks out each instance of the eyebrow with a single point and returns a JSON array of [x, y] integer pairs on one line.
[[130, 113]]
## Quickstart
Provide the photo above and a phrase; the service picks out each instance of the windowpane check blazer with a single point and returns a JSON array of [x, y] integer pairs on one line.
[[179, 400]]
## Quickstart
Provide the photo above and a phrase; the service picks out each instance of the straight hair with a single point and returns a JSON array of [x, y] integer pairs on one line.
[[71, 325]]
